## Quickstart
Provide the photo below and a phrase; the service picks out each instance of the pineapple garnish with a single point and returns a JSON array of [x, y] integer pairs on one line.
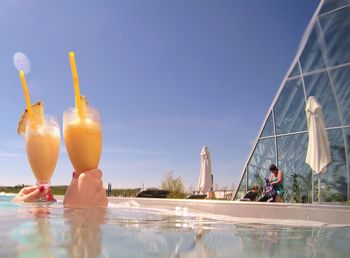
[[37, 119], [84, 104]]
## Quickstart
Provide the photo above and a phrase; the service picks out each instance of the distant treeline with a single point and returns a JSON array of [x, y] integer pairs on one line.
[[61, 190], [130, 192], [11, 189], [57, 189]]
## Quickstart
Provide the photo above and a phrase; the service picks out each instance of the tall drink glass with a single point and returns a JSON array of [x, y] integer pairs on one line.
[[83, 138], [42, 146]]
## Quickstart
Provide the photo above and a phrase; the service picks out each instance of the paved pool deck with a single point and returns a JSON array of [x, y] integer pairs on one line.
[[289, 213]]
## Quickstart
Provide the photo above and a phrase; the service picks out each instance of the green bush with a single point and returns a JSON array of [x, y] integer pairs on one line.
[[175, 186]]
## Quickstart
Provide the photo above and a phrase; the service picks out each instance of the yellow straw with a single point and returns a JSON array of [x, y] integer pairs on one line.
[[26, 93], [76, 84]]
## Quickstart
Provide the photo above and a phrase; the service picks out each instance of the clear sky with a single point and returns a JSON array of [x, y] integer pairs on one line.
[[167, 77]]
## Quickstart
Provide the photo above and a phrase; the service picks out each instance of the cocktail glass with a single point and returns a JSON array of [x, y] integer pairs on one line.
[[83, 138], [42, 146]]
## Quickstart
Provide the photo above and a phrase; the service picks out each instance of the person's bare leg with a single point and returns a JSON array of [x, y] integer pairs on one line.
[[278, 198]]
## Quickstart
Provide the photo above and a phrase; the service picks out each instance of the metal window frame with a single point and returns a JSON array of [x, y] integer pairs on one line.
[[314, 22]]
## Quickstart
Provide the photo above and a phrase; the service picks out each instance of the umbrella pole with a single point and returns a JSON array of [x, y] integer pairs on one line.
[[319, 188], [312, 189]]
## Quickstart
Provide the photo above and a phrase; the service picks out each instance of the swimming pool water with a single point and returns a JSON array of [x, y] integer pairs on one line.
[[126, 230]]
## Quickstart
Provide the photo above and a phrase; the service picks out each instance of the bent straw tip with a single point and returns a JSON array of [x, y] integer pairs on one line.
[[21, 72], [71, 54]]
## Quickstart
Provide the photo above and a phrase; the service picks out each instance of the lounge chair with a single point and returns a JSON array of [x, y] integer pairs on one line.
[[196, 196]]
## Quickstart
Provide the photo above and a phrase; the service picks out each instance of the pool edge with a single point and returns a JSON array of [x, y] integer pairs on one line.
[[337, 215]]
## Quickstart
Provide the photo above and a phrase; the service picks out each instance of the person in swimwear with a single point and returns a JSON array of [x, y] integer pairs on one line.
[[276, 180]]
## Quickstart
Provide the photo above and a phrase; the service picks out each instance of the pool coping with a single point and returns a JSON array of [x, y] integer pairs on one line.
[[324, 214]]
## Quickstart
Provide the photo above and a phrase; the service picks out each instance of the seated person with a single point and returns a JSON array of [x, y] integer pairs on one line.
[[269, 192], [85, 190], [252, 194]]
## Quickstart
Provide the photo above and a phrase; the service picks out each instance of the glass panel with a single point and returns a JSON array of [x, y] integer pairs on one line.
[[268, 128], [290, 108], [295, 71], [297, 174], [336, 30], [258, 167], [311, 58], [256, 177], [242, 187], [330, 5], [347, 137], [334, 181], [341, 81], [318, 85]]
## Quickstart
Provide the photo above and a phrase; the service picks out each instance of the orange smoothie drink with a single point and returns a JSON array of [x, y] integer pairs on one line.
[[83, 138], [42, 138], [42, 146]]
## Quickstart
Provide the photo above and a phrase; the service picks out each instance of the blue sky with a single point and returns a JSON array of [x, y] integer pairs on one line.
[[167, 77]]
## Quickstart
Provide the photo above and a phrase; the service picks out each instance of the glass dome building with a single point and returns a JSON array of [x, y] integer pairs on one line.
[[321, 68]]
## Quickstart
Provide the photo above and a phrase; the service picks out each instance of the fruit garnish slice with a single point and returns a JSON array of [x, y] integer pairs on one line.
[[84, 103], [84, 107], [38, 117]]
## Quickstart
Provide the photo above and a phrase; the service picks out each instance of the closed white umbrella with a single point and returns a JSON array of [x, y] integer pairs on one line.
[[205, 181], [318, 154]]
